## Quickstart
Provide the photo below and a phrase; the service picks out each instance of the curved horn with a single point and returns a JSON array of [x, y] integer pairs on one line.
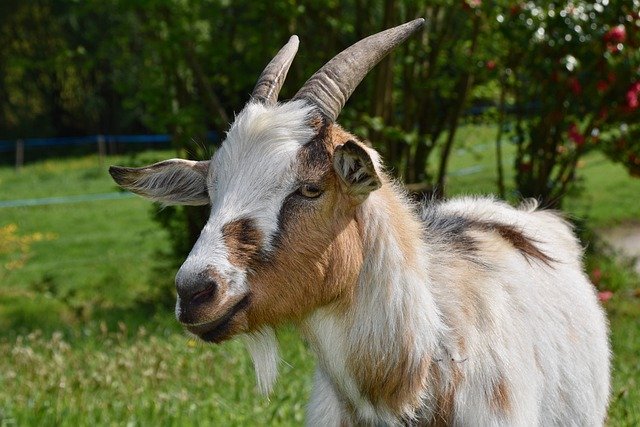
[[331, 86], [272, 78]]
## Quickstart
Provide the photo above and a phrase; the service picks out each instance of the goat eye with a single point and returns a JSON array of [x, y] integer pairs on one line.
[[310, 191]]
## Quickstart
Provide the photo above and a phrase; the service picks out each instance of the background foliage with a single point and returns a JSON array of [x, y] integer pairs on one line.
[[563, 77]]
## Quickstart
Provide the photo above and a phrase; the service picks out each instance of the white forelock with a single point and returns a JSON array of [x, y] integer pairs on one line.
[[254, 169]]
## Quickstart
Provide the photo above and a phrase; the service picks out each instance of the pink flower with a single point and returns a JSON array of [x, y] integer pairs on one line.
[[596, 275], [632, 96], [605, 296], [632, 100], [617, 34]]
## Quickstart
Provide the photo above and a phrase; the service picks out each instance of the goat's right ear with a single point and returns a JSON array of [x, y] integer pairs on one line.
[[171, 182]]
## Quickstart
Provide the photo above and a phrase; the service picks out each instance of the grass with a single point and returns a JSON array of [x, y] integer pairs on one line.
[[86, 328], [95, 254], [144, 377]]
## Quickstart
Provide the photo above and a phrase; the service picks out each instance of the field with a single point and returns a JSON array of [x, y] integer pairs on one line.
[[87, 334]]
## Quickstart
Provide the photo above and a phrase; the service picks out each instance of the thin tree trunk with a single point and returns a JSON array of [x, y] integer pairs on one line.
[[383, 89], [463, 88], [209, 96], [499, 167]]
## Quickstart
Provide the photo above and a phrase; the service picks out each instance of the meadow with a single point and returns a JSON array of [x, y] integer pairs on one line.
[[87, 334]]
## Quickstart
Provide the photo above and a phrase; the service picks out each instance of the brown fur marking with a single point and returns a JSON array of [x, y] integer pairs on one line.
[[516, 238], [243, 240], [395, 384], [500, 397]]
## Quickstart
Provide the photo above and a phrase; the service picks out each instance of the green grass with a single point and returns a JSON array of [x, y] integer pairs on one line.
[[96, 255], [144, 377], [108, 356]]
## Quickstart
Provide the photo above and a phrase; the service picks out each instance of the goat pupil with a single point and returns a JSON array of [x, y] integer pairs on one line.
[[311, 191]]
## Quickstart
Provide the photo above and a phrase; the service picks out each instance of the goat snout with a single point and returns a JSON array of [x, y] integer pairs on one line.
[[197, 290], [195, 293]]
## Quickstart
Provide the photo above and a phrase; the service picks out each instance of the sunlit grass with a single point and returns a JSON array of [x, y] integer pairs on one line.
[[154, 376]]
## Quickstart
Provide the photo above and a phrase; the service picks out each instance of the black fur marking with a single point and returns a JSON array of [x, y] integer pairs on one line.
[[452, 231]]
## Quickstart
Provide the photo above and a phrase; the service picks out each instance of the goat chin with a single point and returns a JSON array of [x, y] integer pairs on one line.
[[263, 347]]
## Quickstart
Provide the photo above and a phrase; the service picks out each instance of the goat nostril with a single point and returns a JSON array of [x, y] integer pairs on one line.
[[204, 295]]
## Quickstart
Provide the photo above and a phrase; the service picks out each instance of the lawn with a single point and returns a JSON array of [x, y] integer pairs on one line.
[[87, 334]]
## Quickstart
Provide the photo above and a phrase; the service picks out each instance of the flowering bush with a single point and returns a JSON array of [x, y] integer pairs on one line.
[[572, 69]]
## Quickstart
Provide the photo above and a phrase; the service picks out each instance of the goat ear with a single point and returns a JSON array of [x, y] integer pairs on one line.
[[355, 168], [171, 182]]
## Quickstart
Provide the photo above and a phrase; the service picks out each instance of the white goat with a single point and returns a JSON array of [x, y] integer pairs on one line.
[[467, 312]]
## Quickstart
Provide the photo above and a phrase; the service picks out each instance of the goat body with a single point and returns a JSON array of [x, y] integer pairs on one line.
[[466, 312]]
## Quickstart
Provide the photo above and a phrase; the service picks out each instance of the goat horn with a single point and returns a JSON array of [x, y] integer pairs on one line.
[[272, 78], [331, 86]]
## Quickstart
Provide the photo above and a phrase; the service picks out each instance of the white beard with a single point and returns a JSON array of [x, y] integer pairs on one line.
[[263, 347]]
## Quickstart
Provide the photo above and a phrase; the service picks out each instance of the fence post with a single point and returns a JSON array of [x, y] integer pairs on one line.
[[113, 147], [101, 149], [19, 154]]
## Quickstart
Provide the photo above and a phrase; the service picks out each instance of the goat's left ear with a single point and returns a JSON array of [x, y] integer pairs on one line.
[[355, 168], [171, 182]]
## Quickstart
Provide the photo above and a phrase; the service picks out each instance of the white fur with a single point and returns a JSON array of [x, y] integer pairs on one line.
[[263, 347], [254, 171], [533, 314]]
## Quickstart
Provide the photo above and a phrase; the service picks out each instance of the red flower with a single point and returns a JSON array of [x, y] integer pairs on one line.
[[605, 296], [490, 64], [575, 135], [617, 34], [575, 86], [602, 86], [525, 166], [603, 113]]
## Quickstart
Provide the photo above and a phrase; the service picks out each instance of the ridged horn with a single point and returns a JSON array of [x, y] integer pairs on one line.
[[272, 78], [331, 86]]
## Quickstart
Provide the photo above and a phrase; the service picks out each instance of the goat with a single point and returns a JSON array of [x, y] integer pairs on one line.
[[462, 312]]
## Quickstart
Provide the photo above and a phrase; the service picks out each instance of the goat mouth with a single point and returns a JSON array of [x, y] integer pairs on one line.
[[218, 330]]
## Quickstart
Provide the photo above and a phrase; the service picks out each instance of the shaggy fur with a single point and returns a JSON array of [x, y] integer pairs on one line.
[[464, 312]]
